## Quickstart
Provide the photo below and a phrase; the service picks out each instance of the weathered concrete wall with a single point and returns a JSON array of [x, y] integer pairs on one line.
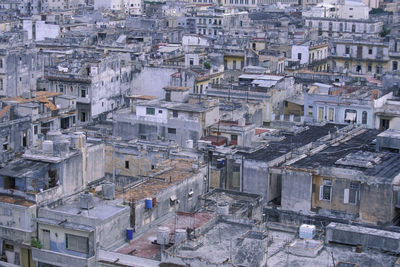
[[296, 191], [12, 132], [95, 163], [159, 77], [17, 223], [377, 203], [195, 183], [367, 237], [255, 177], [336, 204], [114, 231]]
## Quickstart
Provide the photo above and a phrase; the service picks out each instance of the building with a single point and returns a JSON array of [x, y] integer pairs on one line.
[[72, 233], [342, 104], [346, 179], [365, 57], [44, 175], [170, 119]]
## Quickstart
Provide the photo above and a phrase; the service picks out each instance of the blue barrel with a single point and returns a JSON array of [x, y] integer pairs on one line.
[[148, 204], [129, 233]]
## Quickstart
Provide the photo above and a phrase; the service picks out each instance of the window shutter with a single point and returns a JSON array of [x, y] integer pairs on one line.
[[346, 196], [321, 192]]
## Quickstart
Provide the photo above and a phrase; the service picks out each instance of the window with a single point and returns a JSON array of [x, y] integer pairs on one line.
[[83, 93], [331, 114], [1, 85], [234, 65], [351, 194], [172, 130], [46, 238], [126, 164], [341, 27], [310, 110], [83, 116], [369, 67], [61, 88], [370, 51], [234, 137], [1, 63], [364, 117], [299, 56], [321, 114], [395, 65], [353, 28], [325, 190], [384, 124], [150, 111], [350, 115], [77, 243], [159, 111], [347, 50], [175, 113], [35, 129]]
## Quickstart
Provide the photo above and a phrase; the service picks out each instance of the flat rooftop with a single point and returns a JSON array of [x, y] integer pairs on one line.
[[276, 149], [278, 254], [362, 145], [23, 168], [102, 210], [16, 200], [142, 245], [214, 245], [176, 170]]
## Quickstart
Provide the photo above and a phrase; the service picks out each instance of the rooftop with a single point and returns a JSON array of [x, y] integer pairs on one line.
[[292, 141], [173, 171], [142, 246], [16, 200], [356, 153], [102, 209]]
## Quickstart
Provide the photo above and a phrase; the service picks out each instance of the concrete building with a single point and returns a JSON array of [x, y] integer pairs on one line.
[[15, 132], [48, 111], [367, 57], [340, 104], [334, 27], [19, 69], [169, 119], [173, 185], [39, 178], [72, 233], [339, 188], [132, 7], [339, 9], [314, 55], [98, 83]]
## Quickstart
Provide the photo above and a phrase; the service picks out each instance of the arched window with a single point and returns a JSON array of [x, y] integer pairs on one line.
[[364, 117]]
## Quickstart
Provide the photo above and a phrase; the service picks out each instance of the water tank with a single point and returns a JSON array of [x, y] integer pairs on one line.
[[189, 143], [108, 190], [61, 147], [307, 231], [129, 233], [148, 202], [78, 140], [53, 135], [86, 201], [223, 208], [180, 234], [47, 147], [163, 235]]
